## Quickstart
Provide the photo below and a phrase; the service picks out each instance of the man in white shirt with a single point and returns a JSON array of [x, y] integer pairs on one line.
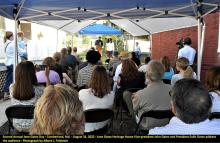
[[187, 51], [191, 105], [143, 68], [137, 50]]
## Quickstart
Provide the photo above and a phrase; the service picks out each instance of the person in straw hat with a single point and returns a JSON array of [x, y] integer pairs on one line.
[[124, 55]]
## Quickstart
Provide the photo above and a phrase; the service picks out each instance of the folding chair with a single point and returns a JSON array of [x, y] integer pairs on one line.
[[214, 115], [99, 115], [120, 98], [157, 114], [19, 112], [166, 81], [2, 83]]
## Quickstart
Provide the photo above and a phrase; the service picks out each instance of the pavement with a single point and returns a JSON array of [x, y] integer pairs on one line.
[[3, 106]]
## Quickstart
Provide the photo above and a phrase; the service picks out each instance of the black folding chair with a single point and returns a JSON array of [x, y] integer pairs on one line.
[[99, 115], [121, 101], [157, 114], [214, 115], [166, 81], [19, 112]]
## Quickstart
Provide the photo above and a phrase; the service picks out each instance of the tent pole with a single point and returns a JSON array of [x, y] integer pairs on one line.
[[202, 47], [15, 50], [72, 40], [151, 44], [199, 48], [57, 40], [134, 43]]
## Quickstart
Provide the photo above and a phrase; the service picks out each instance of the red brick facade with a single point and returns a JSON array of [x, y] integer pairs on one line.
[[164, 43]]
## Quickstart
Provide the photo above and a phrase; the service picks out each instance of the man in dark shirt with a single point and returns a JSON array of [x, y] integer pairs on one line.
[[99, 45]]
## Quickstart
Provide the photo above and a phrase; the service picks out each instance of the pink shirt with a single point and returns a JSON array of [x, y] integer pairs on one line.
[[53, 77]]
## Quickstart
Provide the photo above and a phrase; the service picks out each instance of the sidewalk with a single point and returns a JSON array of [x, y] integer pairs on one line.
[[3, 106]]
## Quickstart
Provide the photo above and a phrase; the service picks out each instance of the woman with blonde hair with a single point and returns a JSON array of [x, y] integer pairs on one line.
[[58, 112], [98, 95], [185, 70], [212, 81]]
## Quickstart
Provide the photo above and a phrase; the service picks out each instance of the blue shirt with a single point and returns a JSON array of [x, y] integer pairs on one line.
[[168, 74]]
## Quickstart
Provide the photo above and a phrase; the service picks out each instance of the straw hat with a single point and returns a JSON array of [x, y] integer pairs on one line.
[[124, 55]]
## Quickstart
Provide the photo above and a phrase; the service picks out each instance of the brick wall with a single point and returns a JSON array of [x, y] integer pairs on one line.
[[164, 43]]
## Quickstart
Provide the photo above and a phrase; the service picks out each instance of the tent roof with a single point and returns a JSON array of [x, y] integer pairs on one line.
[[37, 10], [100, 29], [155, 25]]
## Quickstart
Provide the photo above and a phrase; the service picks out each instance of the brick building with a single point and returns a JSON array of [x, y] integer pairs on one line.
[[164, 43]]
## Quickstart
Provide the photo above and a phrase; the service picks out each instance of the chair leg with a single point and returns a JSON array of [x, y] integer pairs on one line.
[[9, 130]]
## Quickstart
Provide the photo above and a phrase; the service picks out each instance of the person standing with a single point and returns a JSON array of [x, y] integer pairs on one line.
[[99, 45], [187, 51], [137, 50], [22, 45], [9, 60], [110, 48]]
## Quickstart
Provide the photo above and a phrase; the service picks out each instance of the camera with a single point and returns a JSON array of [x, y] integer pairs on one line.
[[180, 43]]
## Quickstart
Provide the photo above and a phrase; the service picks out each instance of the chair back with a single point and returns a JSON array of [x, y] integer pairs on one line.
[[19, 112], [214, 115], [166, 81], [2, 80], [98, 115], [157, 114]]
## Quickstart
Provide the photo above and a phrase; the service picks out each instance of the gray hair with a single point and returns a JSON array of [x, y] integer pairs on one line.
[[155, 71]]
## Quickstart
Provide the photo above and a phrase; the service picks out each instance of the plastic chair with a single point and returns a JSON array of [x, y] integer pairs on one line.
[[99, 115], [19, 112], [157, 114]]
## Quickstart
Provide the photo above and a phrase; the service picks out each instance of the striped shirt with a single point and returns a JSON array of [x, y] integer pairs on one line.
[[84, 75], [178, 127]]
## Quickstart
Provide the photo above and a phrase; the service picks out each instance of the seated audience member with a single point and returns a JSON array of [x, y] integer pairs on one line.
[[76, 55], [154, 97], [135, 59], [213, 84], [58, 112], [53, 75], [57, 67], [85, 73], [143, 68], [185, 70], [25, 91], [99, 95], [113, 63], [123, 56], [191, 104], [129, 78], [62, 72], [169, 72]]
